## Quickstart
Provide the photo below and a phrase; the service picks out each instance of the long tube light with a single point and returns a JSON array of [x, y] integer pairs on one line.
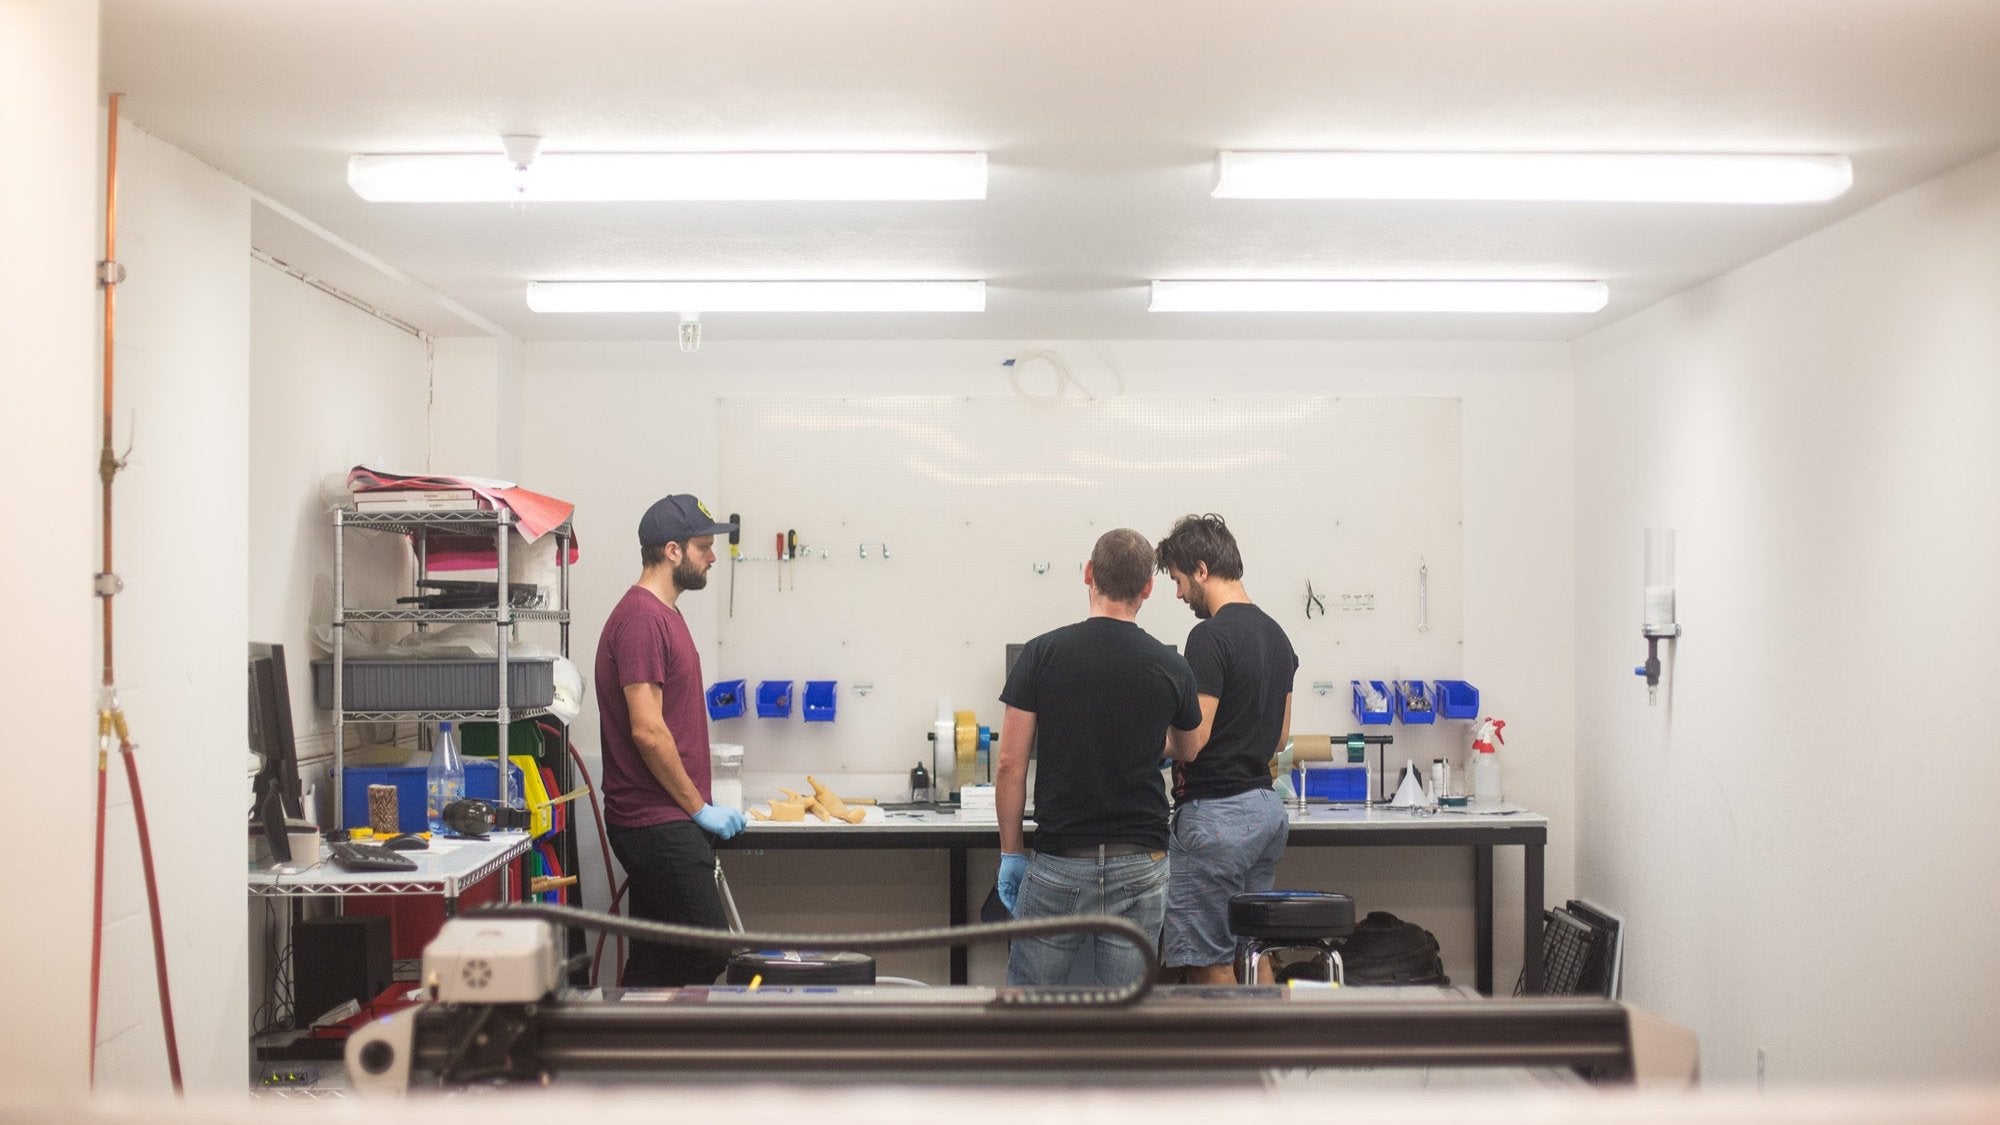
[[1426, 295], [1566, 176], [756, 296], [603, 177]]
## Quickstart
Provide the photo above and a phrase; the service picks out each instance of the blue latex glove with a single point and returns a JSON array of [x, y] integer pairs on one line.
[[1013, 869], [721, 822]]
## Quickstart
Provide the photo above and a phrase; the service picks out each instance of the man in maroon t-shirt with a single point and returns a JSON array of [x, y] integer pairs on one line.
[[654, 730]]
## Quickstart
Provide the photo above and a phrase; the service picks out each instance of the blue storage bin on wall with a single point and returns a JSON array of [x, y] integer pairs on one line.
[[725, 698], [1367, 717], [1455, 699], [774, 699], [819, 701], [1413, 703]]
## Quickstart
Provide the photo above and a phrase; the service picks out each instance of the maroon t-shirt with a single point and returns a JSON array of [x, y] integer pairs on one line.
[[645, 641]]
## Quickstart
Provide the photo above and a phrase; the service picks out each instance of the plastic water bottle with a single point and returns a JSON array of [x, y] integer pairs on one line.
[[444, 782]]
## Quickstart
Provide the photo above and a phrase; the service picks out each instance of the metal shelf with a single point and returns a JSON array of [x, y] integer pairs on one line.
[[481, 615], [499, 523], [479, 519], [444, 872], [441, 716]]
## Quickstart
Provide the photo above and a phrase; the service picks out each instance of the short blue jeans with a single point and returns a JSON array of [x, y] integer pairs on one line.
[[1221, 846], [1132, 887]]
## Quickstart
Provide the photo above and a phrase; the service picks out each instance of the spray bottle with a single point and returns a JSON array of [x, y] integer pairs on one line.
[[1486, 762]]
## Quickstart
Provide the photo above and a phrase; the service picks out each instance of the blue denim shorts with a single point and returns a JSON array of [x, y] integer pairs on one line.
[[1132, 887], [1220, 846]]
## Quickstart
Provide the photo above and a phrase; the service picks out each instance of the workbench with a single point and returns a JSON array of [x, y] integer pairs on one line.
[[1319, 825]]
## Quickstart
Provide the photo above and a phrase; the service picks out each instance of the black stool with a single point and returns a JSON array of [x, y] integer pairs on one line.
[[785, 966], [1266, 920]]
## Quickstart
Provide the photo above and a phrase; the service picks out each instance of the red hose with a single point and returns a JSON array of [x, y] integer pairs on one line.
[[153, 908], [97, 913], [603, 842]]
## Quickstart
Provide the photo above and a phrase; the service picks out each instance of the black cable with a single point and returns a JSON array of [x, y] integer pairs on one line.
[[732, 941]]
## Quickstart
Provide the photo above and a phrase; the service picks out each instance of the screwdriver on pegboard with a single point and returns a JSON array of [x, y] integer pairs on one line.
[[735, 554]]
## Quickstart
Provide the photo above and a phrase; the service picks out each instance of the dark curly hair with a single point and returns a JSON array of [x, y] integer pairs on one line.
[[1200, 539]]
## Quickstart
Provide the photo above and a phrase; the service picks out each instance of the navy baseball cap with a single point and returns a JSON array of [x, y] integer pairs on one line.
[[678, 517]]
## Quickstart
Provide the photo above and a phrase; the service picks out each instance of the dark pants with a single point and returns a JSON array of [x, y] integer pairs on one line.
[[670, 877]]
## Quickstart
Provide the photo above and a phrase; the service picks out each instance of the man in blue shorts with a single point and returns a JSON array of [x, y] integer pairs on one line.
[[1099, 698], [1229, 823]]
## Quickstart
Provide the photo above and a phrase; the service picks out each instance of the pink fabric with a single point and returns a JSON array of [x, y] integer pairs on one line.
[[534, 514]]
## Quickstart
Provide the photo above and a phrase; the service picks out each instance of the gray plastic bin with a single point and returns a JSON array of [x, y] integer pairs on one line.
[[435, 685]]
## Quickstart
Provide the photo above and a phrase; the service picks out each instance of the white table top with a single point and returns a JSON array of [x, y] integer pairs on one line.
[[444, 868], [944, 825]]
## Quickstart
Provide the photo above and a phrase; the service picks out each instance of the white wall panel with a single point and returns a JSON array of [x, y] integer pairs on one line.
[[1809, 793], [614, 426], [988, 508]]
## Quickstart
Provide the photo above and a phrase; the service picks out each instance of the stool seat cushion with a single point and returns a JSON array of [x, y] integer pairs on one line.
[[782, 966], [1291, 915]]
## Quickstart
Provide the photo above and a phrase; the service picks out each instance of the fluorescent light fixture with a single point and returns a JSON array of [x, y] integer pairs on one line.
[[756, 296], [607, 177], [1575, 176], [1428, 295]]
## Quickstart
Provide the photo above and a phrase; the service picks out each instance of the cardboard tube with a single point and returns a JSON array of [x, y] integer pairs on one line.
[[1315, 748], [382, 810]]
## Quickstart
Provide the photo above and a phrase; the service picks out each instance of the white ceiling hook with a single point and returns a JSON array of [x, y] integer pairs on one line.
[[690, 331], [521, 149]]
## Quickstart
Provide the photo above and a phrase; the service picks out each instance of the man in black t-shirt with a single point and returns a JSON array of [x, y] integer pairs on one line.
[[1229, 823], [1099, 699]]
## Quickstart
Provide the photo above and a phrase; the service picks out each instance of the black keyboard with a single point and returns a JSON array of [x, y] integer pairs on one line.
[[369, 857]]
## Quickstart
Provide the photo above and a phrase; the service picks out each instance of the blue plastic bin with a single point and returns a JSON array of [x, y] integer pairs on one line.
[[1413, 703], [774, 699], [481, 780], [1455, 699], [1366, 717], [1337, 781], [819, 701], [725, 698]]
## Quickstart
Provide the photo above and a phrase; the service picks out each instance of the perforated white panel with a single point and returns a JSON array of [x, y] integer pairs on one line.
[[973, 497]]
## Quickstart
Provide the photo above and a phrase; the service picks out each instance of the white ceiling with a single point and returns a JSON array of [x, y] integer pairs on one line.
[[1101, 117]]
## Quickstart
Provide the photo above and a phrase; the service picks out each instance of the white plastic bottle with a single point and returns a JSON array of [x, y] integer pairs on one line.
[[444, 781], [1486, 762]]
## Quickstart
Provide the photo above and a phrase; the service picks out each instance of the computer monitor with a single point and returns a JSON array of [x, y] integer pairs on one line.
[[271, 733]]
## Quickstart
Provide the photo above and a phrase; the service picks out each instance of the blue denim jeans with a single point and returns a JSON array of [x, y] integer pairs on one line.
[[1132, 887], [1221, 846]]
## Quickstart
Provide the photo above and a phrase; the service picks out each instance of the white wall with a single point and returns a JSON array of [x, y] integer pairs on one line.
[[1800, 835], [614, 426], [49, 375], [182, 362], [331, 388]]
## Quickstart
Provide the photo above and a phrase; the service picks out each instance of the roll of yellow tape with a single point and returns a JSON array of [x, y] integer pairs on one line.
[[965, 740]]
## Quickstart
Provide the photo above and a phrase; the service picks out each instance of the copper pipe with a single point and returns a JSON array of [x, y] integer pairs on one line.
[[107, 461]]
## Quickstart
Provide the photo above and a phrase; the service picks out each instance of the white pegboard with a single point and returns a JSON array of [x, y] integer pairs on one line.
[[971, 496]]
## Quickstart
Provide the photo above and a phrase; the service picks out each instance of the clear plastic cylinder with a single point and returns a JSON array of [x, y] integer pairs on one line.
[[1659, 579]]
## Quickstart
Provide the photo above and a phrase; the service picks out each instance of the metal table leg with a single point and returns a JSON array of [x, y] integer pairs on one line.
[[1531, 917], [1482, 915], [957, 913]]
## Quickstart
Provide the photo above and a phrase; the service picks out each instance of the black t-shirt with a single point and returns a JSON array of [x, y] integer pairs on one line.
[[1103, 693], [1243, 658]]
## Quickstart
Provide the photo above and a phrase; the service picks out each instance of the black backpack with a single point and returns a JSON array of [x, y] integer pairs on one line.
[[1384, 949]]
